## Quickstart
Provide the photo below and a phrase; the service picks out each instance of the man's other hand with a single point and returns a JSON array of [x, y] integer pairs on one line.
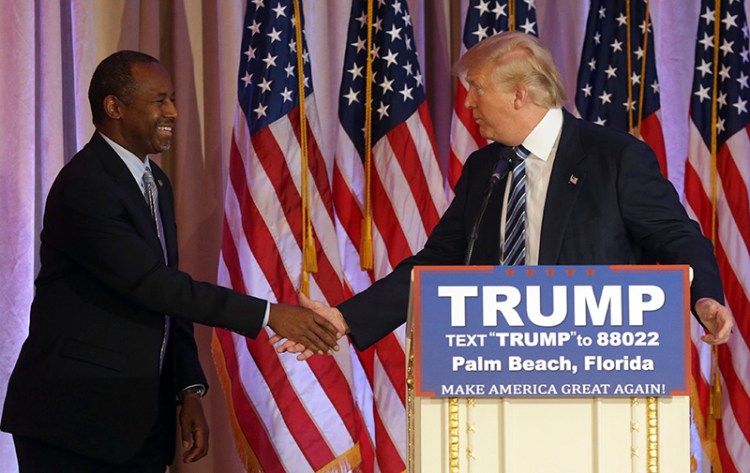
[[194, 429], [716, 318]]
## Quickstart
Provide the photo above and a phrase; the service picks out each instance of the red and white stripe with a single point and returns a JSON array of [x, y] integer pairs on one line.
[[732, 240], [287, 415], [407, 202], [651, 133]]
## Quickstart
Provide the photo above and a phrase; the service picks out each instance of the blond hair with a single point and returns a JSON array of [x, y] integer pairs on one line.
[[517, 58]]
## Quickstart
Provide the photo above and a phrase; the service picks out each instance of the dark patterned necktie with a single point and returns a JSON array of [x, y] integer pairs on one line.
[[514, 249], [152, 197]]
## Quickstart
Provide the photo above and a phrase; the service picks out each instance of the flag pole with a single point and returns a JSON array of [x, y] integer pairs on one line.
[[309, 257], [366, 252], [647, 21], [714, 406], [629, 56]]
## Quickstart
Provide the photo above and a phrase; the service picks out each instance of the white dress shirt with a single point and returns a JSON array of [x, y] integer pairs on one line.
[[542, 145], [133, 162]]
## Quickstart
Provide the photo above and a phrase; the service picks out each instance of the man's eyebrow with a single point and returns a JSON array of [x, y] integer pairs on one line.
[[164, 94]]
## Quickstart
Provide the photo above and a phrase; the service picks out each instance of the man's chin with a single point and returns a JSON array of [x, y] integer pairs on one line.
[[483, 132], [485, 135]]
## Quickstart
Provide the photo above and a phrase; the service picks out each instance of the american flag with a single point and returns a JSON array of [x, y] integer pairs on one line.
[[617, 82], [286, 415], [484, 18], [716, 191], [405, 193]]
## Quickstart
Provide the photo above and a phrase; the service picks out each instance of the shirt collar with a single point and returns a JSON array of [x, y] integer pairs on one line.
[[133, 162], [543, 137]]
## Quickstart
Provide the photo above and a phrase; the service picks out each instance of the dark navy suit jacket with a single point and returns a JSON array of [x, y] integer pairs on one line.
[[607, 203], [88, 377]]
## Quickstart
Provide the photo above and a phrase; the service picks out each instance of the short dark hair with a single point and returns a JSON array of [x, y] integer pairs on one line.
[[114, 76]]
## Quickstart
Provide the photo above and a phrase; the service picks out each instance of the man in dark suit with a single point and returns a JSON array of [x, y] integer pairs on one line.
[[110, 350], [594, 196]]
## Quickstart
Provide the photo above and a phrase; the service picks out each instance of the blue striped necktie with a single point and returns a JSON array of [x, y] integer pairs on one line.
[[514, 248]]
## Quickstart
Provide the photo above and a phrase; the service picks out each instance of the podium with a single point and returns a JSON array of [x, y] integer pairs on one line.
[[473, 406]]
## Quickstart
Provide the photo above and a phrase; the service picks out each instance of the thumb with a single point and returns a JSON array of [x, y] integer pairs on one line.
[[706, 307], [308, 303]]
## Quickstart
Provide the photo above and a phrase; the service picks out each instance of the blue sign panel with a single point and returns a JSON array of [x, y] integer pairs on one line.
[[551, 331]]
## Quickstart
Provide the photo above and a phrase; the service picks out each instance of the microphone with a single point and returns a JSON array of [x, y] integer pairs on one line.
[[501, 170]]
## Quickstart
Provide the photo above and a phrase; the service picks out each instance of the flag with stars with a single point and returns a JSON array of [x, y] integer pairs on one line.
[[717, 194], [484, 18], [286, 415], [405, 192], [617, 82]]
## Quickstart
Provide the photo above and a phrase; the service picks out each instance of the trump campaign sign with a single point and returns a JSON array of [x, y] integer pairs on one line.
[[550, 331]]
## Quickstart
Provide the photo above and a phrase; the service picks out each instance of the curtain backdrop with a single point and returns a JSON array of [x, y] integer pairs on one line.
[[51, 47]]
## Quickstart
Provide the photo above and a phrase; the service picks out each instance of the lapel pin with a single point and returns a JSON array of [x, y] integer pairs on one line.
[[161, 184], [573, 179]]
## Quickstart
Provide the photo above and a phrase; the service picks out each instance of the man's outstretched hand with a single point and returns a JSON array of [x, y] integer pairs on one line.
[[305, 351], [716, 318], [304, 327]]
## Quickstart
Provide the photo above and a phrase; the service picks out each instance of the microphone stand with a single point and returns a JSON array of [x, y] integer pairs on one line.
[[501, 170]]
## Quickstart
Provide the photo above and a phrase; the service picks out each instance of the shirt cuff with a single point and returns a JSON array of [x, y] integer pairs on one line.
[[265, 317], [199, 389]]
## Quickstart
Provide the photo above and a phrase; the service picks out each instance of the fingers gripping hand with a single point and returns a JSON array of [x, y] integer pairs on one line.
[[289, 346], [716, 318], [332, 314], [329, 313], [302, 326]]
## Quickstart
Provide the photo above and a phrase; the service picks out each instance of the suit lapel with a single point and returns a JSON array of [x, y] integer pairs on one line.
[[131, 193], [567, 178]]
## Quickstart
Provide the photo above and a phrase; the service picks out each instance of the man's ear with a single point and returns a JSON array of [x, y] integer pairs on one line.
[[112, 107], [521, 97]]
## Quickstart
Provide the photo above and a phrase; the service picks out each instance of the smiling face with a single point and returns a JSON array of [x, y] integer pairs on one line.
[[144, 120]]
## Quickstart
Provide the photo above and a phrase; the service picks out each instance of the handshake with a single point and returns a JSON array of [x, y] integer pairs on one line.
[[309, 329]]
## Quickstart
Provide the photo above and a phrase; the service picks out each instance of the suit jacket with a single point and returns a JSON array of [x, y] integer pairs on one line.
[[88, 378], [607, 203]]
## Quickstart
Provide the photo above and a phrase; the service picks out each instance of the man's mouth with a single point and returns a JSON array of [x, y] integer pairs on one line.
[[165, 130]]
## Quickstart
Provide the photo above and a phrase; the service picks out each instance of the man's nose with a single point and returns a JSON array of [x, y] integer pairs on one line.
[[170, 109], [469, 100]]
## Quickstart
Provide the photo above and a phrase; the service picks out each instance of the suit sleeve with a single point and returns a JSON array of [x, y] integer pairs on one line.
[[378, 310], [98, 232], [188, 367], [659, 223]]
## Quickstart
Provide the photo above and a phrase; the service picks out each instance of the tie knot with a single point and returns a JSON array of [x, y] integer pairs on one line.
[[148, 178], [521, 152]]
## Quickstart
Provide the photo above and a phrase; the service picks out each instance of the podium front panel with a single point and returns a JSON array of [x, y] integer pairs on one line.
[[594, 435]]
